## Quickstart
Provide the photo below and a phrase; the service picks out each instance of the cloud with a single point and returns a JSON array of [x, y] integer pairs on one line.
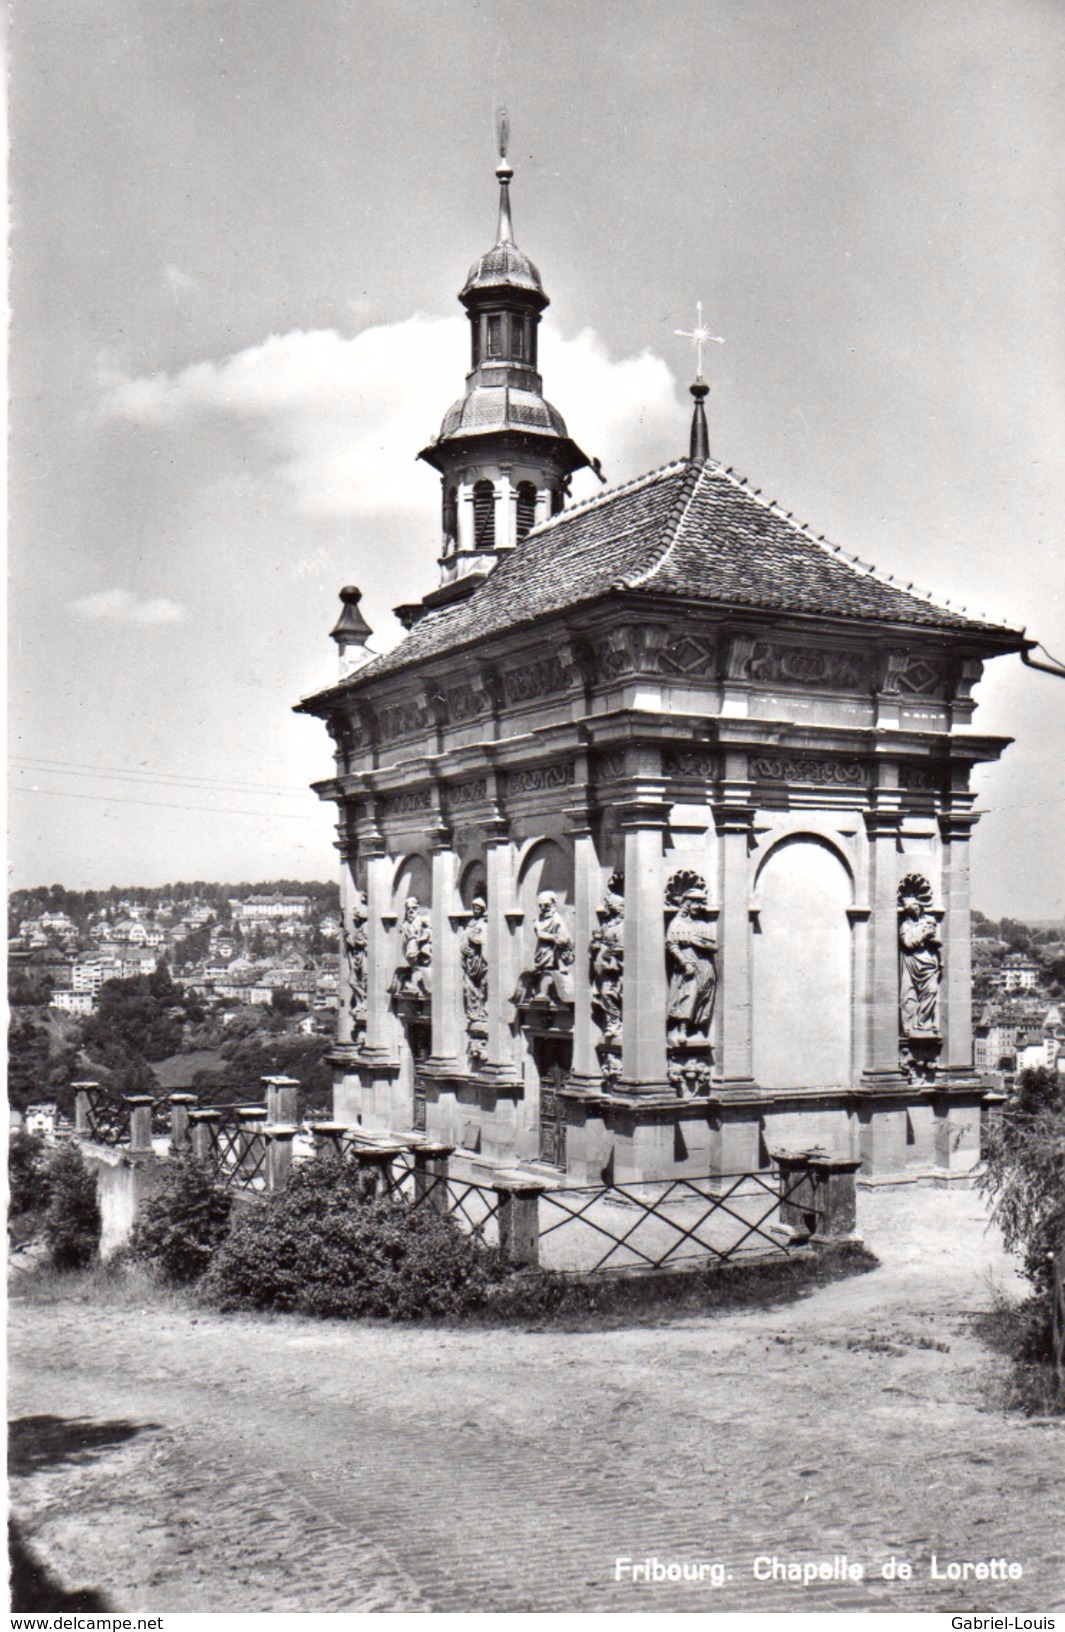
[[123, 606], [338, 421]]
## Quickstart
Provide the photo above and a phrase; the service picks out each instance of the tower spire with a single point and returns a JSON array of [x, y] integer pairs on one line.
[[504, 172]]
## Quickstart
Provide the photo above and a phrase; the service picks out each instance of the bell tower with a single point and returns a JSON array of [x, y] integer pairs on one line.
[[503, 452]]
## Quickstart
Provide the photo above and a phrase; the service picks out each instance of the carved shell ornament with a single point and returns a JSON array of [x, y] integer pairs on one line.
[[915, 887], [682, 883]]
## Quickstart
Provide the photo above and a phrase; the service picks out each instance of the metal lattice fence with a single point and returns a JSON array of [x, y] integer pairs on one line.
[[665, 1224], [107, 1116]]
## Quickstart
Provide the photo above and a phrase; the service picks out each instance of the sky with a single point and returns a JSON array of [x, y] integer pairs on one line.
[[238, 228]]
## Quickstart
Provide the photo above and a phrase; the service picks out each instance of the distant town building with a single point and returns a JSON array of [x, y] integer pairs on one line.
[[73, 1002], [40, 1120], [1019, 973]]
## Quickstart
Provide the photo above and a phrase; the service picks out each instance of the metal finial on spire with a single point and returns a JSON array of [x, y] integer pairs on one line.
[[504, 172], [700, 336]]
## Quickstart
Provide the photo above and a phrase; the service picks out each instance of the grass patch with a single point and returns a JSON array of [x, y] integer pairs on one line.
[[121, 1283], [547, 1299], [1013, 1328]]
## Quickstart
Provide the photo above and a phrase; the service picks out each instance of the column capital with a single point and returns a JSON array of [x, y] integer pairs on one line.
[[882, 824], [647, 810], [957, 825], [734, 819], [496, 830]]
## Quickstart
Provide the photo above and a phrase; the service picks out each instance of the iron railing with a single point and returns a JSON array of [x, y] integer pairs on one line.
[[237, 1150], [107, 1116], [665, 1223]]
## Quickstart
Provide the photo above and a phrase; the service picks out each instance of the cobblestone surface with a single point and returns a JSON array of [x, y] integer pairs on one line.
[[290, 1464]]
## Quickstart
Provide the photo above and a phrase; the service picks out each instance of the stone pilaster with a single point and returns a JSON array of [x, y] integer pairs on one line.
[[587, 897], [382, 1041], [955, 996], [734, 1005], [501, 951], [348, 849], [643, 1030], [882, 970], [448, 1035]]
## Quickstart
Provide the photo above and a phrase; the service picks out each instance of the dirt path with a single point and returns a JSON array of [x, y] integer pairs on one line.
[[182, 1462]]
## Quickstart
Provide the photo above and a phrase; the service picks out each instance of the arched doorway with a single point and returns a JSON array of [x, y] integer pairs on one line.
[[802, 969]]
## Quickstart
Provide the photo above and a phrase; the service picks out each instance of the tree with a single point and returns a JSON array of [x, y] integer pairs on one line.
[[72, 1222], [1024, 1178]]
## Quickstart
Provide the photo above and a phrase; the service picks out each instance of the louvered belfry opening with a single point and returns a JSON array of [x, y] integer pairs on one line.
[[484, 515], [526, 507]]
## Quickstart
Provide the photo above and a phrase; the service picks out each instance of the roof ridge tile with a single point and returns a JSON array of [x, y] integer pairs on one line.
[[672, 528], [604, 496]]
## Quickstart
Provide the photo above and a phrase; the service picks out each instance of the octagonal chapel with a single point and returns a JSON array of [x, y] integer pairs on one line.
[[654, 829]]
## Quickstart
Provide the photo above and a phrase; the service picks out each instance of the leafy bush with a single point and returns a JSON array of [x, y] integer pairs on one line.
[[29, 1184], [1024, 1178], [72, 1222], [183, 1224], [319, 1247]]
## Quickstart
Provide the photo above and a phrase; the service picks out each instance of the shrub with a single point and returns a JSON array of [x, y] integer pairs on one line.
[[1024, 1178], [319, 1247], [183, 1224], [29, 1185], [72, 1222]]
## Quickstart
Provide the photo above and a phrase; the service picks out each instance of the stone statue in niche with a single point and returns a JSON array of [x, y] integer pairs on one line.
[[691, 962], [921, 949], [412, 979], [474, 965], [355, 947], [607, 956], [550, 980]]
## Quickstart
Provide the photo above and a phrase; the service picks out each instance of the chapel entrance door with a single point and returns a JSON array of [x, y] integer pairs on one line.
[[553, 1057]]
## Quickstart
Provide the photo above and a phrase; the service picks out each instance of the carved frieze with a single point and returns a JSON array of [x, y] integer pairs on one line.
[[689, 762], [775, 664], [906, 674], [401, 719], [608, 767], [539, 779], [465, 701], [831, 773], [540, 679], [467, 793], [406, 804], [919, 777], [689, 655]]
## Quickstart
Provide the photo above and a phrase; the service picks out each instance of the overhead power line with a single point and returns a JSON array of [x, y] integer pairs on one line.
[[191, 786], [159, 776], [165, 804]]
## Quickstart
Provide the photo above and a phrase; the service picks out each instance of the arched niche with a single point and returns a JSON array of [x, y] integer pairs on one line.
[[414, 876], [545, 865], [802, 967], [473, 882]]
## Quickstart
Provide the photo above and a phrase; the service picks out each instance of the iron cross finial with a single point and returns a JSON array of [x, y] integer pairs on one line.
[[700, 336]]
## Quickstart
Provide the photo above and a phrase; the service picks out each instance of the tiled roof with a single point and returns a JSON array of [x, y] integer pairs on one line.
[[688, 530]]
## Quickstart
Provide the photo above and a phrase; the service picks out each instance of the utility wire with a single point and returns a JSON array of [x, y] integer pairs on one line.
[[165, 804], [176, 776], [189, 786]]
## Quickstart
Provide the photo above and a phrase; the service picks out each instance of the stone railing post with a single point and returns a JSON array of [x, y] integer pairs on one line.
[[282, 1099], [819, 1202], [279, 1140], [431, 1175], [991, 1105], [328, 1138], [252, 1119], [140, 1124], [202, 1126], [82, 1114], [374, 1163], [180, 1138], [519, 1219]]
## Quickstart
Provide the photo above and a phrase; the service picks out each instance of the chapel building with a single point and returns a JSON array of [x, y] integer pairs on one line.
[[655, 826]]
